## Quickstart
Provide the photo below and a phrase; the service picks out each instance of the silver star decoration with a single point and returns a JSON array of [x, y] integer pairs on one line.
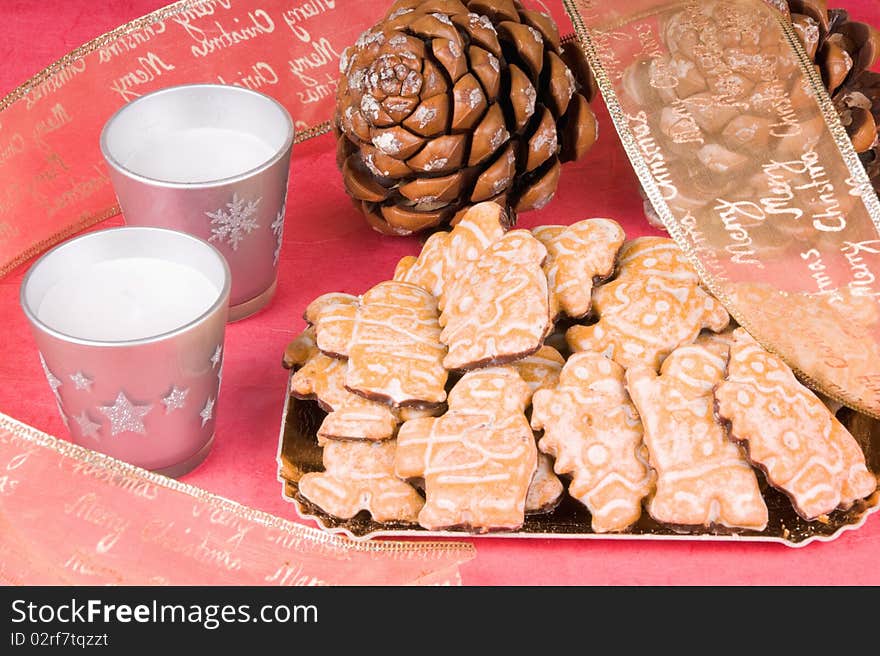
[[81, 381], [125, 416], [278, 230], [86, 425], [54, 382], [175, 400], [207, 412], [234, 222], [215, 359]]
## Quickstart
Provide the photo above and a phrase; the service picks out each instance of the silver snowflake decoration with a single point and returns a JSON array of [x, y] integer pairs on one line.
[[218, 353], [175, 400], [125, 416], [86, 425], [81, 381], [231, 224], [54, 381], [278, 230], [207, 412]]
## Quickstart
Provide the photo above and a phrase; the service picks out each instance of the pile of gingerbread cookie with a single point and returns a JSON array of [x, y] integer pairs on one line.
[[456, 399]]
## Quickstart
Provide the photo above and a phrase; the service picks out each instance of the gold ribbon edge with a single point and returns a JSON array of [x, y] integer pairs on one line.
[[56, 67], [113, 35], [87, 456]]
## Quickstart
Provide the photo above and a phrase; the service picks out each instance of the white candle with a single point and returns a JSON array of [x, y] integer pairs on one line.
[[127, 298], [198, 155]]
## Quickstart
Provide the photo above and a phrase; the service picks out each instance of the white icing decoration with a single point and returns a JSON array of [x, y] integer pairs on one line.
[[475, 97], [387, 143], [501, 135], [425, 115], [531, 98], [436, 163], [400, 12], [369, 107], [536, 35], [476, 20]]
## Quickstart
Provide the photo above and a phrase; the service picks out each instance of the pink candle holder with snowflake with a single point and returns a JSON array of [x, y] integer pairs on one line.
[[213, 161], [129, 323]]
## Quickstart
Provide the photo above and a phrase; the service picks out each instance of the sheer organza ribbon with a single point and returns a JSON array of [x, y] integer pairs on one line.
[[741, 152], [71, 516]]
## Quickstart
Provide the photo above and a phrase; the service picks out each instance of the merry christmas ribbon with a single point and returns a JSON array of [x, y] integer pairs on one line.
[[71, 516], [54, 181], [741, 152]]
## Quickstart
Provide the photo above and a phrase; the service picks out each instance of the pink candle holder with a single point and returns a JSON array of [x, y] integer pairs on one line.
[[211, 160], [130, 323]]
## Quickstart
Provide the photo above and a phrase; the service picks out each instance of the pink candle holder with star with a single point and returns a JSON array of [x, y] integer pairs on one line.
[[213, 161], [129, 323]]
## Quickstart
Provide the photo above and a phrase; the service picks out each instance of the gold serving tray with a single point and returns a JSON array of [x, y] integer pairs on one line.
[[299, 453]]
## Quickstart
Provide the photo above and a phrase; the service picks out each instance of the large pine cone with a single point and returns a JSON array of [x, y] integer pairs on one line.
[[446, 103], [844, 50]]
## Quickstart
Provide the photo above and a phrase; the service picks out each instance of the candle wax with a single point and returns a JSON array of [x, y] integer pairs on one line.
[[198, 155], [127, 298]]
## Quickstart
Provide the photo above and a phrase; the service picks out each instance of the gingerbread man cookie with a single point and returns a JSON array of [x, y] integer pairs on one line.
[[790, 433], [446, 254], [350, 417], [391, 339], [545, 490], [702, 477], [325, 300], [360, 476], [654, 305], [478, 459], [497, 310], [594, 432], [717, 343], [576, 256], [541, 369], [300, 349]]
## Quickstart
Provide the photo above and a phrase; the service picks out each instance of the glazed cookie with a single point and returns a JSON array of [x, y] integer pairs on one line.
[[300, 349], [654, 305], [391, 340], [576, 256], [717, 343], [497, 309], [546, 489], [592, 429], [324, 300], [790, 433], [478, 459], [541, 369], [350, 417], [360, 476], [446, 254], [702, 477]]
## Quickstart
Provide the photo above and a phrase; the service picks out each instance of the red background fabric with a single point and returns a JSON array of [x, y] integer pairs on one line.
[[328, 247]]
